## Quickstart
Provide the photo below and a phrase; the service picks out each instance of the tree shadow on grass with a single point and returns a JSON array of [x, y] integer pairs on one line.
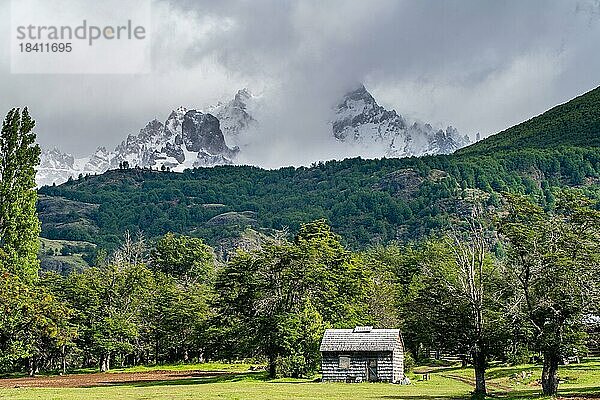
[[423, 397], [588, 392], [582, 392], [292, 382], [203, 378], [425, 369], [580, 367], [576, 393], [193, 379], [508, 372]]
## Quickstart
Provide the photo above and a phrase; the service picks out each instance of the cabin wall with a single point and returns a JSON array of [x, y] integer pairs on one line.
[[398, 364], [386, 370]]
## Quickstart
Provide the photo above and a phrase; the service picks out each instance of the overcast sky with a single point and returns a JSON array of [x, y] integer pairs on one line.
[[480, 66]]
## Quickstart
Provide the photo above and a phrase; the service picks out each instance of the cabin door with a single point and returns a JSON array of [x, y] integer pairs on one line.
[[372, 370]]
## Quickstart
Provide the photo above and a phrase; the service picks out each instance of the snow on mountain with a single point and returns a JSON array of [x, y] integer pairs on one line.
[[362, 123], [236, 116], [187, 139], [56, 167], [192, 138]]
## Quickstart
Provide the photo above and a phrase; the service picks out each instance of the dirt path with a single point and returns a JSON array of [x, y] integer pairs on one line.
[[107, 379]]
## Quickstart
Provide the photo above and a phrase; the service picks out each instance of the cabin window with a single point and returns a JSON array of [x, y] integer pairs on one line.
[[344, 362]]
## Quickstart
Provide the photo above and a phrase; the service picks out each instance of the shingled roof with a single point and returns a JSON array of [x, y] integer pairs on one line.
[[360, 339]]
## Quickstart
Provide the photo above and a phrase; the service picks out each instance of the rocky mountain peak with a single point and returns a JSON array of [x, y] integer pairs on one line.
[[181, 110], [101, 153], [152, 127], [241, 97], [359, 121], [174, 121], [54, 158], [235, 116], [357, 110], [201, 132], [359, 94]]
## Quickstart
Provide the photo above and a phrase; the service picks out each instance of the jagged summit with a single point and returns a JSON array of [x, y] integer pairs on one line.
[[357, 109], [242, 96], [187, 139], [236, 115], [359, 121]]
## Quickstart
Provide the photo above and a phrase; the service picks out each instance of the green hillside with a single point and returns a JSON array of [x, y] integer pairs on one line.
[[575, 123], [366, 201]]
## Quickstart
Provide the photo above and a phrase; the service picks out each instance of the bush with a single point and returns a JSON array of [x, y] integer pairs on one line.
[[409, 362], [294, 366]]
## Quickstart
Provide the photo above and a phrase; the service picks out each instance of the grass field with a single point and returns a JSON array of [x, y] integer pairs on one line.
[[577, 380]]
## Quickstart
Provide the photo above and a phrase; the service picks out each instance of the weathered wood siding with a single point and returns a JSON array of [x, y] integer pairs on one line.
[[398, 364], [389, 366]]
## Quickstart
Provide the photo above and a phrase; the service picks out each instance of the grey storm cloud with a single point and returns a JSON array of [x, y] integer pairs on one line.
[[478, 65]]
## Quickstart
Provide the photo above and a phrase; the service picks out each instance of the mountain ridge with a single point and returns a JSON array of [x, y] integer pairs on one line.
[[191, 138]]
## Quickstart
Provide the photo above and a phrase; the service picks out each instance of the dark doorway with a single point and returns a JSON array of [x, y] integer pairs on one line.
[[372, 370]]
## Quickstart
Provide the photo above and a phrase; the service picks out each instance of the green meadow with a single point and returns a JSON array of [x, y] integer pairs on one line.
[[520, 382]]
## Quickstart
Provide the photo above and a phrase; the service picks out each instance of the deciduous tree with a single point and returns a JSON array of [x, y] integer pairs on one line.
[[553, 259], [283, 287], [457, 302]]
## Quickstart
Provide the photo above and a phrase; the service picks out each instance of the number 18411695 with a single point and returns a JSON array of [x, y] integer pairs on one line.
[[35, 47]]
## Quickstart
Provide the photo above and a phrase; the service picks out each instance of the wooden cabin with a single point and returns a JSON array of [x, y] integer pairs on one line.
[[362, 354]]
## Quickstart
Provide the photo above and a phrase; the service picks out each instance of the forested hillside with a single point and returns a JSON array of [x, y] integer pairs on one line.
[[366, 201]]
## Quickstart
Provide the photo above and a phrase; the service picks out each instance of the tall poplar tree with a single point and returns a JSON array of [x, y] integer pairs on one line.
[[19, 224]]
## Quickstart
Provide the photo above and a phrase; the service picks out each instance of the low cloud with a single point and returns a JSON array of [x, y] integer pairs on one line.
[[478, 65]]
